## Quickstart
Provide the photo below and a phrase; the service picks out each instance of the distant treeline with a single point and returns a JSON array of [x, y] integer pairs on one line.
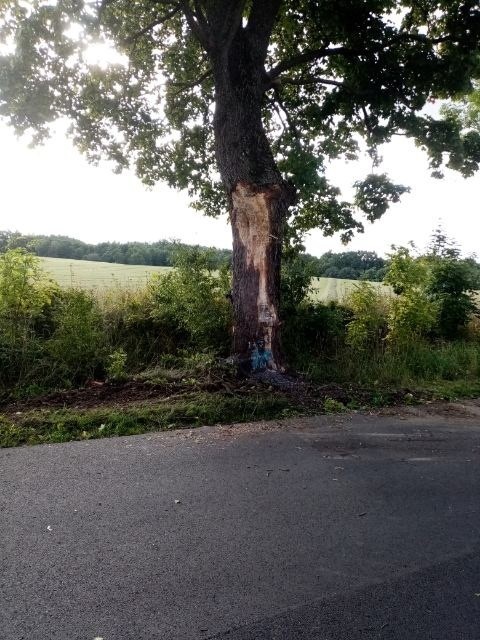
[[354, 265], [160, 253], [351, 265]]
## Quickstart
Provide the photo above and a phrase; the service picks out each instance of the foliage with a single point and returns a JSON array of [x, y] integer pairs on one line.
[[194, 299], [296, 282], [354, 265], [374, 194], [366, 329], [116, 368], [405, 271], [451, 285], [331, 405], [418, 364], [413, 314], [24, 288], [25, 295], [332, 73], [52, 338], [61, 338], [314, 331], [76, 347], [130, 327]]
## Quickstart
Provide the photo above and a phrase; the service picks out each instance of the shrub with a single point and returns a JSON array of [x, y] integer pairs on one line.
[[413, 313], [77, 346], [314, 330], [129, 326], [192, 300], [405, 272], [116, 367], [330, 405], [412, 316], [451, 284], [367, 327], [26, 295], [295, 283]]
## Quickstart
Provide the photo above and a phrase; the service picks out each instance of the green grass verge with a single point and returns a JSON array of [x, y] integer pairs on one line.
[[47, 426], [63, 425], [452, 390]]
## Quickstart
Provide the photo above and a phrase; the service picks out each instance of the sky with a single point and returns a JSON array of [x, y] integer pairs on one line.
[[53, 190]]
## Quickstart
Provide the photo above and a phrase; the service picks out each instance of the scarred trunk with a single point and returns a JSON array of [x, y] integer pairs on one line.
[[257, 213], [259, 201]]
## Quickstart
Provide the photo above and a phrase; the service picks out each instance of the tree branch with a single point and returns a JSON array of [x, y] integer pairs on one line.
[[261, 21], [311, 55], [155, 23], [198, 24], [190, 85], [278, 82], [291, 123]]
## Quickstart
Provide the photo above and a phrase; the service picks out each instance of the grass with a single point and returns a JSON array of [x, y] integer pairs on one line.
[[88, 274], [105, 275], [336, 289], [418, 365], [49, 426], [388, 380], [46, 426]]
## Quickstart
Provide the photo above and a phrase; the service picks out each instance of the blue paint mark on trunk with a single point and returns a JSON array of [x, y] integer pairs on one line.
[[261, 358]]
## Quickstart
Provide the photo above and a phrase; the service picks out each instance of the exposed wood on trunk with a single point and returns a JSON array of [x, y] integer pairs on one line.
[[256, 267]]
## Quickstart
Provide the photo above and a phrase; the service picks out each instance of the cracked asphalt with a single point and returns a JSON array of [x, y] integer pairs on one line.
[[344, 527]]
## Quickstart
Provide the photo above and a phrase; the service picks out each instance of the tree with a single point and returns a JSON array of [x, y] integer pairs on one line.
[[452, 282], [264, 91]]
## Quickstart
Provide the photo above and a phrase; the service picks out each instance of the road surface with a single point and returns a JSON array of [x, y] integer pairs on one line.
[[343, 527]]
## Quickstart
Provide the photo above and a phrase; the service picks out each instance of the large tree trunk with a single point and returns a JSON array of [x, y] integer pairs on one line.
[[258, 199]]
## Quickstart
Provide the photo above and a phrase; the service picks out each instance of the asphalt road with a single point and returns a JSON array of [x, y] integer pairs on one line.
[[328, 528]]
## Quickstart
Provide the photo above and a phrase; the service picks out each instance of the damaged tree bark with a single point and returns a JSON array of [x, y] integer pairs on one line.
[[257, 215], [259, 199]]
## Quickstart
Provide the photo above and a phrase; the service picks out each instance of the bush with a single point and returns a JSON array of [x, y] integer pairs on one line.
[[405, 272], [451, 284], [129, 326], [77, 346], [193, 302], [367, 328], [413, 316], [26, 295], [116, 368], [314, 330], [295, 284], [413, 313]]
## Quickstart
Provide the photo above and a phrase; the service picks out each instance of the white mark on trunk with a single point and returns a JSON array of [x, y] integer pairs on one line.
[[253, 224]]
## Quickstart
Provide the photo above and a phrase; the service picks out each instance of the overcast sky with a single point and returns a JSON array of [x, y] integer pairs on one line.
[[53, 190]]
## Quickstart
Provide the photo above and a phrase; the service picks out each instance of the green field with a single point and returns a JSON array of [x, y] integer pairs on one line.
[[107, 275], [336, 289], [98, 275]]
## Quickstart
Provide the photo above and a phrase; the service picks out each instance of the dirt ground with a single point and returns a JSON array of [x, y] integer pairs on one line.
[[99, 394]]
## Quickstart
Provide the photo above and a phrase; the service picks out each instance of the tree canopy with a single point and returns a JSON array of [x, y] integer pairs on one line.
[[135, 80]]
